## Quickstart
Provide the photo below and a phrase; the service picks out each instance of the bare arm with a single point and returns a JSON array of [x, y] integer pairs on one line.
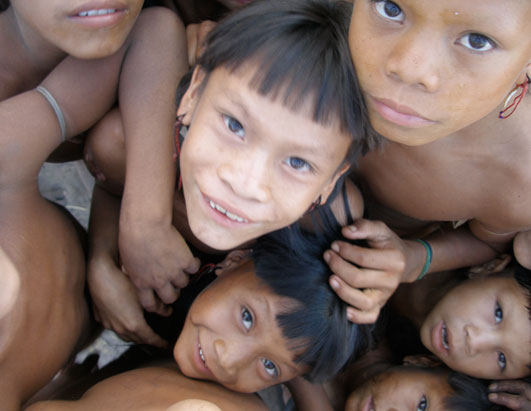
[[308, 396], [153, 252]]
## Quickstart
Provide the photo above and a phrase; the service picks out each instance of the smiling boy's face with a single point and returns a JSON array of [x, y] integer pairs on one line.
[[250, 165], [482, 328], [431, 68], [77, 27], [402, 388], [231, 335]]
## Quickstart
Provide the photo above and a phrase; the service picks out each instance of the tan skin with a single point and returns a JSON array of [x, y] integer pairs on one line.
[[454, 159], [155, 388]]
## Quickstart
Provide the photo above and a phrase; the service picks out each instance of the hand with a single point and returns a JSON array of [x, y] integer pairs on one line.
[[157, 260], [195, 36], [513, 394], [116, 305], [365, 278]]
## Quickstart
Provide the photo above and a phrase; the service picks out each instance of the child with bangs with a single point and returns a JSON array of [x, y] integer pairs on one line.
[[446, 84], [267, 128]]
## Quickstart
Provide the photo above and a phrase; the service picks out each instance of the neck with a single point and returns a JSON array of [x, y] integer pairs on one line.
[[27, 47]]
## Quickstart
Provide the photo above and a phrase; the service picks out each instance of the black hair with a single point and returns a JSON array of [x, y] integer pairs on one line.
[[523, 277], [469, 393], [300, 48], [4, 4], [293, 267]]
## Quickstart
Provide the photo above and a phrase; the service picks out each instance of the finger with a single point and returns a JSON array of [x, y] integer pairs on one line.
[[362, 317], [381, 259], [167, 293], [193, 266], [148, 336], [362, 300], [363, 229], [514, 386], [510, 401], [179, 280], [146, 297]]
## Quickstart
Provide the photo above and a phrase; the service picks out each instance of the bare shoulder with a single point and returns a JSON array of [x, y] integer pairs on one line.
[[158, 20], [155, 388]]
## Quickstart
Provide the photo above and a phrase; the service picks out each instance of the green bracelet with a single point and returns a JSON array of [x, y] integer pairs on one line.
[[429, 256]]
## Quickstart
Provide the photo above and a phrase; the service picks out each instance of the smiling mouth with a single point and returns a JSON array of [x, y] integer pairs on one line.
[[228, 214], [445, 343], [96, 12], [201, 355]]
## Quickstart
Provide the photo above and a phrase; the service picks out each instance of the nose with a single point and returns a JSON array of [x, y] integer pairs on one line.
[[414, 61], [478, 340], [231, 355], [248, 175]]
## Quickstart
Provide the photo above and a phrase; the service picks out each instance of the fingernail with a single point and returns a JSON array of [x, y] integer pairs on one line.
[[350, 314], [352, 228], [493, 387], [326, 256], [335, 247], [334, 283], [493, 397]]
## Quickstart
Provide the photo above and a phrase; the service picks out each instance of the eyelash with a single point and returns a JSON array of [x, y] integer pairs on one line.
[[498, 318], [231, 123], [269, 366], [484, 38], [423, 404], [502, 361], [380, 5], [305, 166]]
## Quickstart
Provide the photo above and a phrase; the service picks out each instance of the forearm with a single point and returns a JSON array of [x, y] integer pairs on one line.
[[103, 227], [452, 249], [148, 84]]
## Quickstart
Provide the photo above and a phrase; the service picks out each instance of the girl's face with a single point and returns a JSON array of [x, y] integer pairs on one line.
[[231, 335], [431, 68], [482, 328], [402, 388], [249, 165], [80, 28]]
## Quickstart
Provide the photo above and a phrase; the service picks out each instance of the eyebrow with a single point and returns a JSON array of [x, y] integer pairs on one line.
[[236, 98]]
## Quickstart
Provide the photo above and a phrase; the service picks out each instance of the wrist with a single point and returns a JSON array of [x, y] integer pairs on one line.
[[419, 260]]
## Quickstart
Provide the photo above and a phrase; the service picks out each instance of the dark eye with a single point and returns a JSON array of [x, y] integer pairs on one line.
[[502, 361], [234, 126], [298, 163], [389, 10], [476, 42], [247, 318], [498, 313], [423, 404], [270, 367]]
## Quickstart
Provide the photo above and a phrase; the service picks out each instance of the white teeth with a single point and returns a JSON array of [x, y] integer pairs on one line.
[[445, 338], [232, 216], [201, 354], [99, 12]]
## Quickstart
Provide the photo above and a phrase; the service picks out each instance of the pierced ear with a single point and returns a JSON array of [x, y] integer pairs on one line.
[[191, 96], [234, 259], [422, 360], [333, 181]]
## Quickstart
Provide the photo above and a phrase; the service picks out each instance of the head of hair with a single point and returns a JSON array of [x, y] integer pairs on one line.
[[523, 277], [299, 51], [316, 324], [4, 4], [469, 393]]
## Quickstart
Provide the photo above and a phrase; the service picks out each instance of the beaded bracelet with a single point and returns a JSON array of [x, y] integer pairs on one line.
[[429, 256]]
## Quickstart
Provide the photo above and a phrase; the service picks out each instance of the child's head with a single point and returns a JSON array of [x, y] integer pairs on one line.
[[275, 116], [482, 326], [268, 319], [430, 68], [418, 388], [78, 28]]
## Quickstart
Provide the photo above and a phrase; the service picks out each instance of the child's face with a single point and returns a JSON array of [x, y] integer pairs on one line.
[[67, 25], [482, 328], [231, 336], [249, 165], [402, 388], [430, 68]]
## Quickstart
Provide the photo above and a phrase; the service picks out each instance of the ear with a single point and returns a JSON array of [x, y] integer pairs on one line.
[[494, 266], [325, 193], [191, 97], [234, 259], [422, 360]]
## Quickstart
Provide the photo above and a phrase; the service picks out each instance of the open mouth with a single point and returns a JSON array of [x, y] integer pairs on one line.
[[228, 214], [96, 12], [201, 355], [445, 343]]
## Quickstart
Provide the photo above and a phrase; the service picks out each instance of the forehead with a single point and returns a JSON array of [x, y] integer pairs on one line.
[[280, 111]]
